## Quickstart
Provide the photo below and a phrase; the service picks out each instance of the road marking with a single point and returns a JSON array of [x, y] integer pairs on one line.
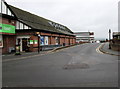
[[14, 59], [98, 49], [62, 49]]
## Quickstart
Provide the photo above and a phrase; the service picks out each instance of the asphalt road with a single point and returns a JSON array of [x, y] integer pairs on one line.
[[78, 66]]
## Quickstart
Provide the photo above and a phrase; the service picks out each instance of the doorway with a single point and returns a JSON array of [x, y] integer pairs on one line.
[[24, 44]]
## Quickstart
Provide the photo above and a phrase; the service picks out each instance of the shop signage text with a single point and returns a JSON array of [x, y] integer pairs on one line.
[[7, 28]]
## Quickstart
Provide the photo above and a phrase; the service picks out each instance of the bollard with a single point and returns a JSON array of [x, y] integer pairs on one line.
[[17, 50]]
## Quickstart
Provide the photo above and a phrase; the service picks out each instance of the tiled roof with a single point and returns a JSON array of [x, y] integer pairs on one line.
[[37, 22]]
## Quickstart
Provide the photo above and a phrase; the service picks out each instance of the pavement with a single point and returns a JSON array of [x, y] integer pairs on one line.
[[9, 57], [105, 49], [13, 57]]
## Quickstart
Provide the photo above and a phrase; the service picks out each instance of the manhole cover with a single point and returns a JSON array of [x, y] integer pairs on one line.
[[76, 66]]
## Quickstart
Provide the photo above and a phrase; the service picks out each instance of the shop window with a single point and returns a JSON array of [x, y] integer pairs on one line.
[[17, 41], [28, 41], [56, 40], [119, 37], [1, 41]]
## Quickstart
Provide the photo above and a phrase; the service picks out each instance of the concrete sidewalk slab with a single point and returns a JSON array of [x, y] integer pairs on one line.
[[10, 57], [105, 49]]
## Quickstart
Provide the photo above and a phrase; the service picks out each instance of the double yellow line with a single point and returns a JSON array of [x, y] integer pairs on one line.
[[98, 49]]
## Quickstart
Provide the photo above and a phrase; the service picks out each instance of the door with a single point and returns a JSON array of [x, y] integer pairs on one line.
[[24, 44]]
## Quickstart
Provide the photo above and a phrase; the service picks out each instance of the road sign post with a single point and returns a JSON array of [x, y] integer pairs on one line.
[[109, 38]]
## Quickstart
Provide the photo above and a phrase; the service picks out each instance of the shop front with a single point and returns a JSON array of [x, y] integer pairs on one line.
[[23, 42], [7, 36], [29, 32]]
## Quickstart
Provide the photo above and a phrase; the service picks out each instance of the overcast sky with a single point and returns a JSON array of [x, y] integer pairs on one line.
[[79, 15]]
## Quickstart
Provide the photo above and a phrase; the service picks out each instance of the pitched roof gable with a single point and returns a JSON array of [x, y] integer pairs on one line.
[[37, 22]]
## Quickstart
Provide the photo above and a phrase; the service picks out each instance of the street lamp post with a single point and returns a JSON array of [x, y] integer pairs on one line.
[[38, 34], [109, 38]]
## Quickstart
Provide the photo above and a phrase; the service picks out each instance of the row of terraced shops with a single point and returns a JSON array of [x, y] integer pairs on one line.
[[29, 31]]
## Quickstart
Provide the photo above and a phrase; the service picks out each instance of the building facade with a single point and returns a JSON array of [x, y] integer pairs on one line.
[[116, 35], [29, 31], [84, 37], [115, 42]]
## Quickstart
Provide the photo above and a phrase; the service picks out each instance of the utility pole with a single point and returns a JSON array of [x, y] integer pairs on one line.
[[109, 38]]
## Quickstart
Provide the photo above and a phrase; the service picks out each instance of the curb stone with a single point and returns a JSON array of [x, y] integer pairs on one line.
[[105, 52], [54, 50]]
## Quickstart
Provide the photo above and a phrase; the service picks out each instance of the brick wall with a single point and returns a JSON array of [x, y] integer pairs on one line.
[[67, 41], [71, 41], [34, 47], [8, 21], [62, 40], [53, 40], [8, 42], [74, 40], [49, 40]]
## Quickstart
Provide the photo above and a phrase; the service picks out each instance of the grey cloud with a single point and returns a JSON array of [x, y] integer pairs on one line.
[[78, 15]]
